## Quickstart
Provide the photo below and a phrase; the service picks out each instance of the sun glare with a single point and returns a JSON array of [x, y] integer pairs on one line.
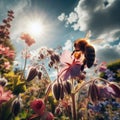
[[35, 28]]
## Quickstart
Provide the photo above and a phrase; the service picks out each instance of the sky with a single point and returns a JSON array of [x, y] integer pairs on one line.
[[64, 21]]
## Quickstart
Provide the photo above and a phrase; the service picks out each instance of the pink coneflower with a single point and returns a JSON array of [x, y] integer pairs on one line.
[[28, 39], [71, 66]]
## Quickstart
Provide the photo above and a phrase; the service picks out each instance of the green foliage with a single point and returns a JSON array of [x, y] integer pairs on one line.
[[15, 83], [6, 110], [115, 68]]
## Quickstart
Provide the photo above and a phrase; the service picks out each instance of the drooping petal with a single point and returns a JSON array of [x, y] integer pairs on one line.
[[115, 88], [62, 74], [75, 70], [71, 66]]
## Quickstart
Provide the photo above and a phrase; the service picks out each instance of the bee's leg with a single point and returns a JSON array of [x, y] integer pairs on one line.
[[84, 62], [73, 52]]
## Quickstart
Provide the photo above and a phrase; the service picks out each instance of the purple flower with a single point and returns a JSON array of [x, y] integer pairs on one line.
[[109, 73], [115, 89], [105, 92], [71, 66], [111, 78], [95, 108]]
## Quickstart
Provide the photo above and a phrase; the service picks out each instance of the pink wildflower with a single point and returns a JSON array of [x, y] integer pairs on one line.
[[71, 66], [114, 89], [102, 67], [28, 39], [11, 54], [7, 65], [38, 106], [5, 96], [5, 51], [26, 54]]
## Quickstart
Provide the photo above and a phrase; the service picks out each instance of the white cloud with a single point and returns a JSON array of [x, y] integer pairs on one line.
[[75, 27], [68, 45], [53, 74], [62, 17], [72, 17], [99, 16], [107, 52]]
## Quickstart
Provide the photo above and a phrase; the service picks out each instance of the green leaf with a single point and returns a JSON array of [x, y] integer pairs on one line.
[[19, 89]]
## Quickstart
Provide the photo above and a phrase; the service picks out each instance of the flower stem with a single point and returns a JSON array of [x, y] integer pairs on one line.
[[25, 62], [45, 71], [92, 80], [25, 65], [74, 116]]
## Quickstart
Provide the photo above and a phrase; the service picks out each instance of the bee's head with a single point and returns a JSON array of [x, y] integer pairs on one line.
[[80, 44]]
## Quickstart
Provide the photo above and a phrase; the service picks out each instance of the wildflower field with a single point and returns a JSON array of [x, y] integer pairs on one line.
[[29, 93]]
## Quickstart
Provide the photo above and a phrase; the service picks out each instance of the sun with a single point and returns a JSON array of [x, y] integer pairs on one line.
[[35, 28]]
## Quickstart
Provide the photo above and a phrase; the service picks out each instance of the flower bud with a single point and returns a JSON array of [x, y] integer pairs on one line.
[[93, 92], [4, 21], [56, 90], [39, 75], [10, 11], [52, 58], [32, 74], [82, 76], [62, 91], [115, 88], [68, 87], [104, 92], [50, 64], [3, 81], [58, 111], [55, 58], [38, 106], [16, 107]]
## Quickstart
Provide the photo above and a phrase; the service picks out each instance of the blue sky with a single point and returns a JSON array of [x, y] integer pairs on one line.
[[66, 20]]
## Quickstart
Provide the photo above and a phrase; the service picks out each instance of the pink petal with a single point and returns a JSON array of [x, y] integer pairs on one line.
[[63, 71], [66, 57], [109, 89]]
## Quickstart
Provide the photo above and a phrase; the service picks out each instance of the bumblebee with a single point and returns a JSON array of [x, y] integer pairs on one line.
[[83, 47]]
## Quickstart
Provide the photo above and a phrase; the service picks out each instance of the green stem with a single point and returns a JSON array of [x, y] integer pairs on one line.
[[92, 80], [45, 72], [25, 62], [74, 115]]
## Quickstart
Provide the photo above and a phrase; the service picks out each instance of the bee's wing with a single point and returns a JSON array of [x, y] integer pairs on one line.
[[88, 35], [97, 41]]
